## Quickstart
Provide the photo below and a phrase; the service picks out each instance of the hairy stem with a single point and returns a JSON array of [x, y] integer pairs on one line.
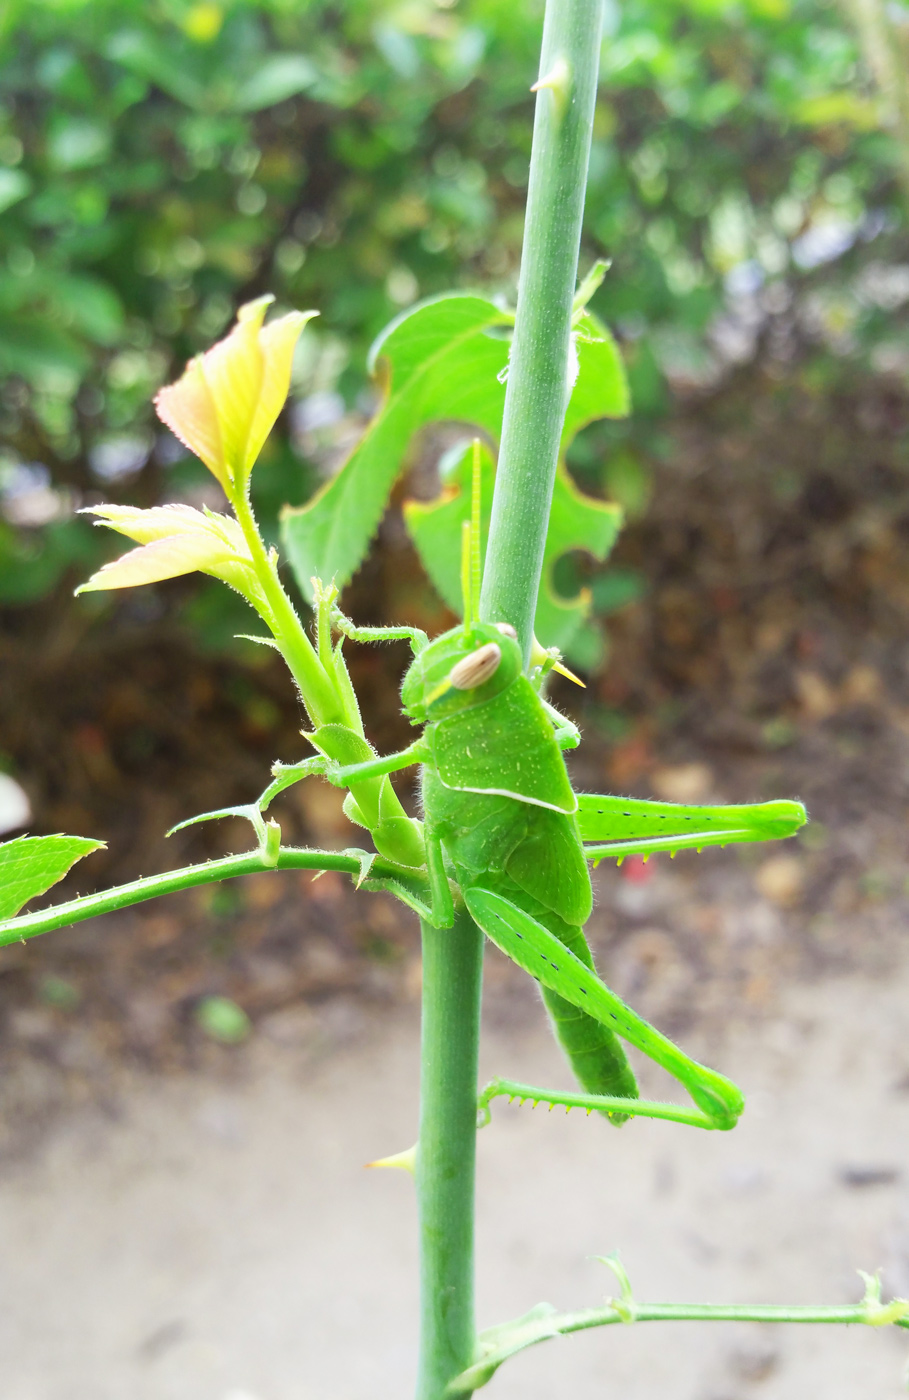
[[88, 906], [537, 388], [322, 702], [543, 1323], [452, 974]]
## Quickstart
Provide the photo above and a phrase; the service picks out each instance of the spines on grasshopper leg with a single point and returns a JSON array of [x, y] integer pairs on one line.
[[534, 948], [518, 1093]]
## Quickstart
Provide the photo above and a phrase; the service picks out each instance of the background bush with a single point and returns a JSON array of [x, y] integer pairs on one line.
[[162, 163]]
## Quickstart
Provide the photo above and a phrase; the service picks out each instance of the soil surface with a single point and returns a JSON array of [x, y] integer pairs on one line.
[[214, 1237]]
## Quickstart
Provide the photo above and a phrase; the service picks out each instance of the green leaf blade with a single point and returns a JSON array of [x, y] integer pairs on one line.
[[30, 865], [438, 363], [601, 388]]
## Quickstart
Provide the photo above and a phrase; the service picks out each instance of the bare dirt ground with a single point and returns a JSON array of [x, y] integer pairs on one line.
[[214, 1236]]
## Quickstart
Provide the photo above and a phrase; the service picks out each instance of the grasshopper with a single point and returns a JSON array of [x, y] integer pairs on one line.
[[504, 832]]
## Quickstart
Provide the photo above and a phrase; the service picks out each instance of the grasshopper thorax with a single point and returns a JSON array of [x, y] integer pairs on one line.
[[460, 669]]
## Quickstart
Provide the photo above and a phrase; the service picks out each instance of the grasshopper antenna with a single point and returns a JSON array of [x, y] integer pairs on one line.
[[470, 546], [476, 484], [466, 590]]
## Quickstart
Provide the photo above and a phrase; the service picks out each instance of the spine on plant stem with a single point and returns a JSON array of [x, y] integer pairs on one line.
[[537, 387], [452, 975]]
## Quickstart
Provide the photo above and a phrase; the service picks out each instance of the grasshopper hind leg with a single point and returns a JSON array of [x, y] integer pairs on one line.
[[594, 1052], [530, 943]]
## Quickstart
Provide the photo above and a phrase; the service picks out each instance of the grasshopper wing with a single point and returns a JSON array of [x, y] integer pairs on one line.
[[506, 746], [550, 864], [541, 954], [628, 826]]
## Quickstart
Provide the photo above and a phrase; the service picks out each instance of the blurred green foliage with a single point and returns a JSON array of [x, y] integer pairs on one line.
[[161, 163]]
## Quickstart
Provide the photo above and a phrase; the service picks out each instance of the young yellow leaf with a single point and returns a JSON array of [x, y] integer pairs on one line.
[[161, 522], [226, 402], [277, 342], [188, 409], [161, 559]]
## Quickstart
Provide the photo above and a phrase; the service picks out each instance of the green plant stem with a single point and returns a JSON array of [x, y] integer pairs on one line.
[[25, 926], [452, 977], [537, 387], [543, 1323], [327, 701], [323, 703]]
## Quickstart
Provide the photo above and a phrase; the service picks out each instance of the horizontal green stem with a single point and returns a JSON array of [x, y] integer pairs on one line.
[[847, 1313], [502, 1342], [151, 886]]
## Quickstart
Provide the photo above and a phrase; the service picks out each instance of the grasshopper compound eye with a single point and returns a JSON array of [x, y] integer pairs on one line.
[[476, 668], [507, 630]]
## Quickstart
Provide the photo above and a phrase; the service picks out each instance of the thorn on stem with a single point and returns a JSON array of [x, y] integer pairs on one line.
[[402, 1161]]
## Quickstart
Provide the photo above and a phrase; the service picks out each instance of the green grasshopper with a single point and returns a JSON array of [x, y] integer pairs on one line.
[[504, 831]]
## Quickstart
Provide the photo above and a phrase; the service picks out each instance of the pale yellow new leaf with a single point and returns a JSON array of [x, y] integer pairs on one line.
[[162, 559], [161, 522], [188, 409], [226, 403]]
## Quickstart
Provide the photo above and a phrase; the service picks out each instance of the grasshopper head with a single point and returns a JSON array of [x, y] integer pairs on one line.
[[460, 669]]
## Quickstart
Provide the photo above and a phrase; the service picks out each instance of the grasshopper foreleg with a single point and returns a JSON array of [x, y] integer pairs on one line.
[[567, 734], [342, 775], [417, 638]]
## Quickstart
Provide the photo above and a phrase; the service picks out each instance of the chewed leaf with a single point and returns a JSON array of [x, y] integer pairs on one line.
[[576, 521], [445, 360], [435, 526], [29, 865], [601, 388], [436, 362]]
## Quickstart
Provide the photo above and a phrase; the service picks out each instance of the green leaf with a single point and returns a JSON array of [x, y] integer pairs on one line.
[[438, 362], [576, 521], [41, 351], [29, 865], [75, 144], [601, 388], [435, 362], [14, 185], [278, 77], [616, 589], [90, 306], [143, 55], [223, 1020], [497, 1344]]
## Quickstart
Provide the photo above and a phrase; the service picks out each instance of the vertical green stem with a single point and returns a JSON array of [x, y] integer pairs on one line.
[[538, 370], [534, 412], [452, 977]]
